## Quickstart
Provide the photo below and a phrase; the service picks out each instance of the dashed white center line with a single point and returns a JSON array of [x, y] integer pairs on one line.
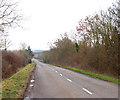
[[69, 80], [56, 71], [61, 75], [87, 91]]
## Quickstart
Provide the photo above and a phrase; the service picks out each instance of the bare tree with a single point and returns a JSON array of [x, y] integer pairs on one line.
[[2, 36], [118, 13], [9, 17], [7, 44], [23, 46]]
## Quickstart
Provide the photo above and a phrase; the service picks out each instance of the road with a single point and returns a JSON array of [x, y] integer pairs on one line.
[[55, 82]]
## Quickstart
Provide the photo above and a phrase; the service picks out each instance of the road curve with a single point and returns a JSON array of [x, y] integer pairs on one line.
[[55, 82]]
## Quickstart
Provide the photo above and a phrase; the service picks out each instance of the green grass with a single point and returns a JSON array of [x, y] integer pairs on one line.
[[15, 86], [96, 75]]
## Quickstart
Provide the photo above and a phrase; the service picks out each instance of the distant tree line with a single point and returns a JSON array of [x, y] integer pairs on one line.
[[94, 46]]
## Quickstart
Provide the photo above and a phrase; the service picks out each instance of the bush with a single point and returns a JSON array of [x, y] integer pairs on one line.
[[10, 63]]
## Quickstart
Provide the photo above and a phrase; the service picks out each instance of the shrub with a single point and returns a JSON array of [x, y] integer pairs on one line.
[[10, 63]]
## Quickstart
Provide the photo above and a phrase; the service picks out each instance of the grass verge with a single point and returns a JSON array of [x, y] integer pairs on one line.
[[14, 87], [96, 75]]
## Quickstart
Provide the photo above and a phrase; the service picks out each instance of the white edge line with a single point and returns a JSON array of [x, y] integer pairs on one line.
[[26, 97], [61, 75], [87, 91], [31, 85], [69, 80]]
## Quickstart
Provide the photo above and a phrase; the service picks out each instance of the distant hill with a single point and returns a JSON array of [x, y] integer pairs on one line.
[[38, 51]]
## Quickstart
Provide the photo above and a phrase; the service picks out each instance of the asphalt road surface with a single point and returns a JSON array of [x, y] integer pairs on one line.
[[54, 82]]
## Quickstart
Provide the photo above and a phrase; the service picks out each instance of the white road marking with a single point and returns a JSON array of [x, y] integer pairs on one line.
[[31, 85], [69, 80], [26, 97], [61, 75], [52, 69], [87, 91], [56, 71], [32, 81]]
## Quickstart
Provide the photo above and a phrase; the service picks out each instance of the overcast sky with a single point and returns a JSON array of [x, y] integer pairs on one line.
[[45, 20]]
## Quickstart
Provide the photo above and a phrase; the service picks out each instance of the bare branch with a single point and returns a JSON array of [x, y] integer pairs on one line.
[[9, 16]]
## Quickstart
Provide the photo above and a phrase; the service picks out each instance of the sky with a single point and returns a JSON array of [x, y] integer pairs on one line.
[[45, 20]]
